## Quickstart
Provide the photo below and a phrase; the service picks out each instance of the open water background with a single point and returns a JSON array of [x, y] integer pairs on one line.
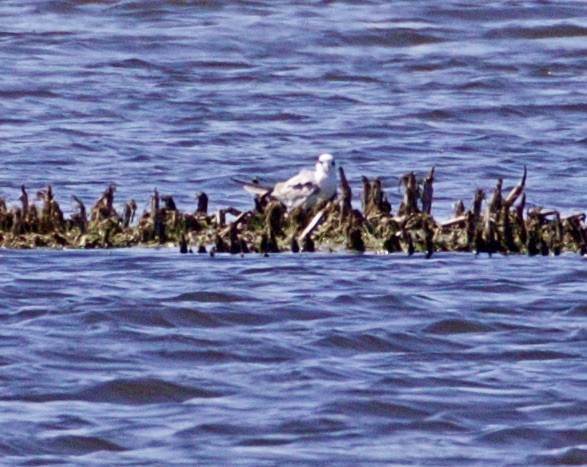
[[147, 357]]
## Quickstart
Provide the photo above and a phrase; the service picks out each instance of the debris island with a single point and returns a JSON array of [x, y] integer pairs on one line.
[[498, 223]]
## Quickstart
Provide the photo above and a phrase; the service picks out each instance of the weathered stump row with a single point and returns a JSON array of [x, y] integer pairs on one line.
[[503, 225]]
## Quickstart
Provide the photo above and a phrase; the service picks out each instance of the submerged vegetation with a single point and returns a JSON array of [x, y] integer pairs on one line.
[[499, 224]]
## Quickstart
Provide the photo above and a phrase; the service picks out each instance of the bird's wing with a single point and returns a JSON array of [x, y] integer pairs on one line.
[[297, 189], [254, 187]]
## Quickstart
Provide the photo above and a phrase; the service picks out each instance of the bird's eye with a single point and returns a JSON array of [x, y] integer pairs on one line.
[[332, 163]]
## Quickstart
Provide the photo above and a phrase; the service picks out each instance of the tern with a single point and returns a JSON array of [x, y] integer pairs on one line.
[[305, 189]]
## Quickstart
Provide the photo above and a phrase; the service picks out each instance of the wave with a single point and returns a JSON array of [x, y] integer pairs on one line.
[[139, 391], [396, 37], [539, 32], [457, 326], [565, 456], [77, 445]]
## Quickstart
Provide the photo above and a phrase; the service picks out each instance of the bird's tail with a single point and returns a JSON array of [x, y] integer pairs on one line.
[[254, 187]]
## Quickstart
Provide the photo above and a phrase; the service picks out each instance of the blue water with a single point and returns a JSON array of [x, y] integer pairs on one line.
[[145, 356]]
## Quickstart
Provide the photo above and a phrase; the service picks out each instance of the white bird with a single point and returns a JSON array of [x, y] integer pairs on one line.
[[305, 189]]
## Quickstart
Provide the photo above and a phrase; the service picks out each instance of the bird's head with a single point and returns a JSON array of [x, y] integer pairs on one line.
[[325, 163]]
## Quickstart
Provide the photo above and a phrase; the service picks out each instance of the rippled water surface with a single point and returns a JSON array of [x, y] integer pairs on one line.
[[145, 356]]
